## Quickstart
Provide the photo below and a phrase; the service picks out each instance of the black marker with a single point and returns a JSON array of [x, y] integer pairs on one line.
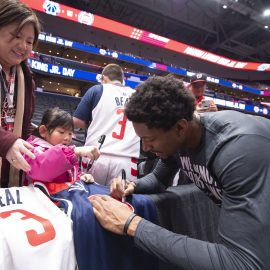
[[101, 141], [124, 180]]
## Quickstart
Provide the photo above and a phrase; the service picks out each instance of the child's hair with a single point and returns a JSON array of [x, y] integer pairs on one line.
[[54, 118]]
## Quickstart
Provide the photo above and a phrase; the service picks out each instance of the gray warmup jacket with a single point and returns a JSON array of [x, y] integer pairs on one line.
[[232, 165]]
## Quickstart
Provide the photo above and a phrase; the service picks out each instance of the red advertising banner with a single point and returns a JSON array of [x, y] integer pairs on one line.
[[76, 15]]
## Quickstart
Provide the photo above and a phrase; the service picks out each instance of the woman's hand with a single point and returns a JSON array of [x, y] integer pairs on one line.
[[15, 155]]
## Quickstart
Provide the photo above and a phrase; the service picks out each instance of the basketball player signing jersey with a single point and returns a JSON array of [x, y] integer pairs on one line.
[[97, 248], [34, 233], [121, 139]]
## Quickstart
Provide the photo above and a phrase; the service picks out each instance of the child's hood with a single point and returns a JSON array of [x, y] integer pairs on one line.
[[38, 142]]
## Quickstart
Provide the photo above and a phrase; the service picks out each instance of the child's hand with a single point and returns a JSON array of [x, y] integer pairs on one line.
[[87, 178], [90, 152]]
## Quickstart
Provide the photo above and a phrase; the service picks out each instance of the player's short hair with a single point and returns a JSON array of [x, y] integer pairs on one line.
[[159, 102], [114, 72]]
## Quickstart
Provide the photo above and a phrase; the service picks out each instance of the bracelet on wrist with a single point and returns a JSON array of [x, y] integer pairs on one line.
[[130, 218]]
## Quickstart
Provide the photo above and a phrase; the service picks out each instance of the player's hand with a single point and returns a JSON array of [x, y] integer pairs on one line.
[[116, 188], [111, 214], [87, 178], [91, 152], [15, 155]]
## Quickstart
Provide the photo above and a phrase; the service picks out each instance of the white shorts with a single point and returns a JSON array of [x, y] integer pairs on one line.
[[108, 167]]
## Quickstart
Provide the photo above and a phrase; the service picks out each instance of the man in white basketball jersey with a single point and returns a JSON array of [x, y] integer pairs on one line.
[[101, 110]]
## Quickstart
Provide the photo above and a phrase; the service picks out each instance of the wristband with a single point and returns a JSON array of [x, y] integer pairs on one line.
[[130, 218]]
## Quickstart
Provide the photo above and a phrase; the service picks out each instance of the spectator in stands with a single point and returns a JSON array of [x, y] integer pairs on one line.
[[224, 155], [19, 30], [198, 87], [52, 147], [101, 110]]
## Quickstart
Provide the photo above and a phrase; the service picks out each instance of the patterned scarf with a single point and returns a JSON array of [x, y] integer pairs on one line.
[[19, 112]]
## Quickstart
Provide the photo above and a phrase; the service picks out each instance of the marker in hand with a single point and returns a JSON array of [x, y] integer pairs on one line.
[[124, 179], [101, 141]]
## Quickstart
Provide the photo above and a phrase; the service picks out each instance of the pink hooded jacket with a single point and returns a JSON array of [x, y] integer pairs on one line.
[[53, 163]]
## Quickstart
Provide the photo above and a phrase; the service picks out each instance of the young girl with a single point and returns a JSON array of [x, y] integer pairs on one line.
[[56, 164]]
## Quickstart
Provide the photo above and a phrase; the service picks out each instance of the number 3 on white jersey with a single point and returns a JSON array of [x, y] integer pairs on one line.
[[122, 123], [34, 238]]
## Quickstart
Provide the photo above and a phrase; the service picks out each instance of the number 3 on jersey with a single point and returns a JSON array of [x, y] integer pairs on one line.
[[122, 123], [34, 238]]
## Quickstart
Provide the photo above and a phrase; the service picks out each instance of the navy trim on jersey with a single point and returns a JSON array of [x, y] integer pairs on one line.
[[88, 103], [95, 247]]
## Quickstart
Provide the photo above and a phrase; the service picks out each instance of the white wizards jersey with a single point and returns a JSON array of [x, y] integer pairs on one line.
[[109, 119], [34, 233]]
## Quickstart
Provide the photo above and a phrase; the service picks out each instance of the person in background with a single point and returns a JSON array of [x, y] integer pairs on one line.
[[19, 30], [198, 87], [101, 112], [223, 153], [56, 160]]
